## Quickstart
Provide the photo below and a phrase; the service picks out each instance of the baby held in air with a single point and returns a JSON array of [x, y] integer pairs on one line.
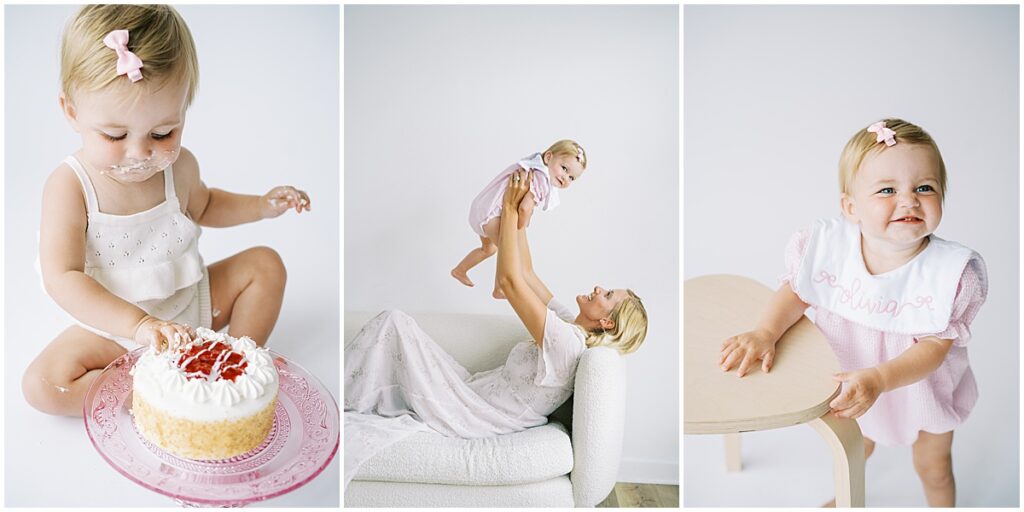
[[555, 168]]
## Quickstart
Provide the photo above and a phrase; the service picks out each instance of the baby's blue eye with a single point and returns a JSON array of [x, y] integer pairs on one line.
[[887, 190], [925, 188]]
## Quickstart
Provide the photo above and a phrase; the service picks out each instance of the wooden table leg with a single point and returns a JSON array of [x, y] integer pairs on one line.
[[844, 439], [733, 455]]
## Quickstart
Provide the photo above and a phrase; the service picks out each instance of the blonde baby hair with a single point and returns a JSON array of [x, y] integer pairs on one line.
[[566, 147], [864, 143], [630, 319], [157, 34]]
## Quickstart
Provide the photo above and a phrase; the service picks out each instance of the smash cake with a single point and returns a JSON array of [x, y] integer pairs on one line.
[[207, 399]]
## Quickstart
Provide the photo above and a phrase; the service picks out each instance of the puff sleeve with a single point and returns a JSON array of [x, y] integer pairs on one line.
[[563, 345], [794, 253], [971, 292]]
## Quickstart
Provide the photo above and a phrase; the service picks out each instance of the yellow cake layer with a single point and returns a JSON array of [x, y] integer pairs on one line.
[[202, 440]]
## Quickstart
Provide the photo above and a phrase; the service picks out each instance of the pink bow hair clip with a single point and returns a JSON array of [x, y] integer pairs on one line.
[[127, 62], [883, 133]]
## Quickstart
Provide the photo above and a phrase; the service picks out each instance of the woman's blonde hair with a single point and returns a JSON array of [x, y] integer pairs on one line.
[[157, 34], [630, 319], [864, 143], [566, 147]]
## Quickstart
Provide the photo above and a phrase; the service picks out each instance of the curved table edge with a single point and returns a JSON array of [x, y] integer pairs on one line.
[[761, 423]]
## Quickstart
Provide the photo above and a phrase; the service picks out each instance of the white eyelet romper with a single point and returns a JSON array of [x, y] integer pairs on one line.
[[150, 258]]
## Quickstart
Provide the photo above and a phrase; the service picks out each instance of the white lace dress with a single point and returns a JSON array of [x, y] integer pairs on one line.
[[398, 381]]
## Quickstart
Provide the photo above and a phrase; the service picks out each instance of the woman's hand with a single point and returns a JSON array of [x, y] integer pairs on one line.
[[281, 199], [859, 394], [518, 186], [746, 349], [161, 334]]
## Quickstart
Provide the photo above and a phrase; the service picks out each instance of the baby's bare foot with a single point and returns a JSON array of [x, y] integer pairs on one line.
[[461, 276], [498, 294]]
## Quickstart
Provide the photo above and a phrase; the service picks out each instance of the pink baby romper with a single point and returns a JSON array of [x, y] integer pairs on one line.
[[939, 402]]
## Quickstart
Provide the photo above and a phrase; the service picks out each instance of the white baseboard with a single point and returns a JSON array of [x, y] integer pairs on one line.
[[648, 472]]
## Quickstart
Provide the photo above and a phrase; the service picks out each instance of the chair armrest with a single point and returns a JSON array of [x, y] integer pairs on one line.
[[598, 419]]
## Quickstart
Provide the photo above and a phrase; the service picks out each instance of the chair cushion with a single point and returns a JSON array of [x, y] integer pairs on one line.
[[533, 455]]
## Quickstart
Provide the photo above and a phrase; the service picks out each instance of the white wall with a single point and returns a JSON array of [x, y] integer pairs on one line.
[[439, 99], [772, 93], [266, 114]]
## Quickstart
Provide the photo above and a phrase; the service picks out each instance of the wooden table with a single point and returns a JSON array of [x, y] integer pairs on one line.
[[797, 390]]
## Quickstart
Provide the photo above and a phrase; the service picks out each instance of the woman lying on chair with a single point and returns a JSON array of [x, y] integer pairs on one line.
[[398, 380]]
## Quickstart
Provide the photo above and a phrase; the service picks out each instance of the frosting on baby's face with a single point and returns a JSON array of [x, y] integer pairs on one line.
[[130, 132], [563, 169]]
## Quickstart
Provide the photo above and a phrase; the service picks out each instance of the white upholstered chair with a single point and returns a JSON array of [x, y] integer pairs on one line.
[[571, 461]]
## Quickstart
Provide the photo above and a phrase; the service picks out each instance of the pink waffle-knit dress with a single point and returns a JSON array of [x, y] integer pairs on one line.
[[939, 402]]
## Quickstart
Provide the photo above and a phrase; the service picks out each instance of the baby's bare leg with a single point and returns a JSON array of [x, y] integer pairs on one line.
[[486, 250], [493, 229], [869, 448], [57, 380], [933, 461], [247, 290]]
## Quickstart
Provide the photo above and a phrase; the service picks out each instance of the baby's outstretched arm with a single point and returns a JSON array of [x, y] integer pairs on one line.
[[62, 263], [218, 208], [784, 309], [865, 385]]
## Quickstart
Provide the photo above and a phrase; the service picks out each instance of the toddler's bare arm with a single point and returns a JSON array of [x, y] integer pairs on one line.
[[915, 363], [862, 387], [218, 208], [784, 309], [62, 260]]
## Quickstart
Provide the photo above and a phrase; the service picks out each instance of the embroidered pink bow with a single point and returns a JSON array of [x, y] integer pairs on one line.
[[883, 133], [127, 62]]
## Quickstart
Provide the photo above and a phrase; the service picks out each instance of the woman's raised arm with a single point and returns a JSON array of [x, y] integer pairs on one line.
[[535, 283], [511, 276]]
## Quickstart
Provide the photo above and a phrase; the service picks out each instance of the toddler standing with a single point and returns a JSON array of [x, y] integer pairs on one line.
[[894, 301]]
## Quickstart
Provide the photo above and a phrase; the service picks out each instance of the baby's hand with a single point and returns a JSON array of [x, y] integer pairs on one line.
[[861, 390], [747, 349], [161, 334], [280, 199]]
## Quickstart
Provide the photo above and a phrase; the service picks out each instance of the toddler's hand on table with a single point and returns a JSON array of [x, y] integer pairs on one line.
[[161, 334], [281, 199], [859, 394], [746, 350]]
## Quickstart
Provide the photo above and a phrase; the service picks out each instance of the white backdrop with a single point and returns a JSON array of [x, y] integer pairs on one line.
[[266, 114], [772, 93], [439, 99]]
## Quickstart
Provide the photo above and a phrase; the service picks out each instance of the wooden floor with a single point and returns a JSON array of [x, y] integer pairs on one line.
[[627, 495]]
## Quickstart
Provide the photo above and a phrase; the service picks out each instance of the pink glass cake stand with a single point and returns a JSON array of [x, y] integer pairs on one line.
[[302, 441]]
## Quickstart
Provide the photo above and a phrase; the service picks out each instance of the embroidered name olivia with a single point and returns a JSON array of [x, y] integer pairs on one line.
[[856, 299]]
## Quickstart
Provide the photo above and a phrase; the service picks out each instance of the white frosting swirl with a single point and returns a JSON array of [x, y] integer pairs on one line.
[[161, 382]]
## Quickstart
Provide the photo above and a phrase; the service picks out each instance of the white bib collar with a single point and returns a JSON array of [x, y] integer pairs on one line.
[[915, 298], [546, 193]]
